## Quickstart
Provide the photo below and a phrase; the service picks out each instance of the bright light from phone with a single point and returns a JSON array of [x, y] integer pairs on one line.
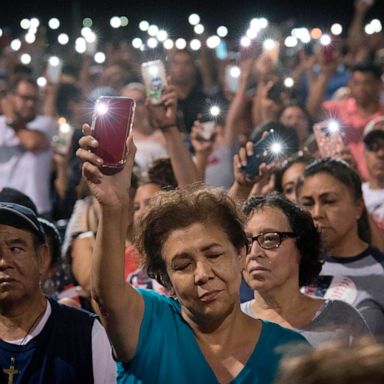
[[214, 110], [101, 108], [63, 38], [235, 71], [15, 44], [153, 30], [162, 35], [222, 31], [65, 128], [152, 42], [30, 38], [180, 43], [290, 41], [369, 30], [143, 25], [269, 44], [252, 33], [137, 42], [245, 41], [194, 19], [115, 22], [333, 126], [80, 45], [213, 41], [199, 29], [35, 22], [301, 34], [54, 61], [168, 44], [325, 40], [41, 81], [376, 25], [124, 21], [336, 29], [87, 22], [25, 24], [54, 23], [195, 44], [25, 58], [276, 148], [99, 57], [289, 82]]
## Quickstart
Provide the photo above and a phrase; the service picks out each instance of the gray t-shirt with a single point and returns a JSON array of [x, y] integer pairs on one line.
[[357, 280], [335, 320]]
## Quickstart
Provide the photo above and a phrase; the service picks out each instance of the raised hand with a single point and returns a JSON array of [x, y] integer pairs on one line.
[[111, 191]]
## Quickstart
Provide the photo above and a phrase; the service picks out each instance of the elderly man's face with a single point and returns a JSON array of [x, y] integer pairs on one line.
[[20, 266]]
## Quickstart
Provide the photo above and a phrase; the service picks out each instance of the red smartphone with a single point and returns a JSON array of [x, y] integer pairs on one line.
[[329, 139], [111, 124]]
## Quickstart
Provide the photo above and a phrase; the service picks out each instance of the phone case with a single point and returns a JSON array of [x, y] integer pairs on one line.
[[261, 154], [111, 129], [330, 144], [155, 79]]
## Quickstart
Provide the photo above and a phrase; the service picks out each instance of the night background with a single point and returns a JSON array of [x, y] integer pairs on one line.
[[173, 15]]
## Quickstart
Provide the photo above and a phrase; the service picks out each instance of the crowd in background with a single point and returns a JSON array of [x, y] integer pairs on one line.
[[313, 217]]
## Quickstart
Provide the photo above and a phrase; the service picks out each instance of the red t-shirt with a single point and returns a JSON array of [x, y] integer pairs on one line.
[[353, 123]]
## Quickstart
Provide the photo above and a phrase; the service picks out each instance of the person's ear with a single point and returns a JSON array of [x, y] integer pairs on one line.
[[360, 207]]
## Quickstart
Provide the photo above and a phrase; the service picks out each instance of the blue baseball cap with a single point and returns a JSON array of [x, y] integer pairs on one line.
[[19, 216]]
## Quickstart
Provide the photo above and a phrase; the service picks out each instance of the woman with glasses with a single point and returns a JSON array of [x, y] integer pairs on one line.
[[283, 255]]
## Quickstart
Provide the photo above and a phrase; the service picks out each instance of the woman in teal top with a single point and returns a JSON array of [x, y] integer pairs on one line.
[[195, 245]]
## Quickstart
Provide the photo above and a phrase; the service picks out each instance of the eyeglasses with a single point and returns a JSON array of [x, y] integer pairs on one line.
[[270, 240], [374, 145]]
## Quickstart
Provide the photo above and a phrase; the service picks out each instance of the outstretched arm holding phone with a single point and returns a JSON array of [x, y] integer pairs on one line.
[[121, 307], [164, 117]]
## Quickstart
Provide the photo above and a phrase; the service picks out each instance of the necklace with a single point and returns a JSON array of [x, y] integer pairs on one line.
[[12, 370]]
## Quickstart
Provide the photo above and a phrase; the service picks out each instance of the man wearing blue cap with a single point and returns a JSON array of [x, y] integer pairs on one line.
[[40, 340]]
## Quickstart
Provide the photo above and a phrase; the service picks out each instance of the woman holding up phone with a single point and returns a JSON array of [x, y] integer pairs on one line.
[[194, 244]]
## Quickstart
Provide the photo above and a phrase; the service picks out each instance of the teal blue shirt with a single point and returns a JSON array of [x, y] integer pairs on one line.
[[167, 351]]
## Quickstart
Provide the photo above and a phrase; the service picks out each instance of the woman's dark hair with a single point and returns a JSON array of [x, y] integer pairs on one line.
[[160, 172], [342, 171], [308, 239], [297, 158], [172, 210]]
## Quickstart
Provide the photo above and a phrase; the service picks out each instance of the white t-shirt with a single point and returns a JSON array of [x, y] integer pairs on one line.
[[104, 368], [27, 171], [148, 151]]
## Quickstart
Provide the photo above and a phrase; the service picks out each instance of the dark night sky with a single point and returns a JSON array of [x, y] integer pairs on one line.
[[173, 14]]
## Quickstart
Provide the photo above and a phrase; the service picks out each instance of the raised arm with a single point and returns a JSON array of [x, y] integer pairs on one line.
[[164, 118], [318, 87], [121, 306]]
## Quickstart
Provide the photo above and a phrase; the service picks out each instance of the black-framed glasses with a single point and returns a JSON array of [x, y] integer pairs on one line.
[[374, 145], [270, 240]]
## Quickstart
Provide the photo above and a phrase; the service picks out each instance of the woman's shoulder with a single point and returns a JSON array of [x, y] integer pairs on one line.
[[274, 333]]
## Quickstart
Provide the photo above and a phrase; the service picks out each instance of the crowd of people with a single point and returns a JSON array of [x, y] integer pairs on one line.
[[244, 229]]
